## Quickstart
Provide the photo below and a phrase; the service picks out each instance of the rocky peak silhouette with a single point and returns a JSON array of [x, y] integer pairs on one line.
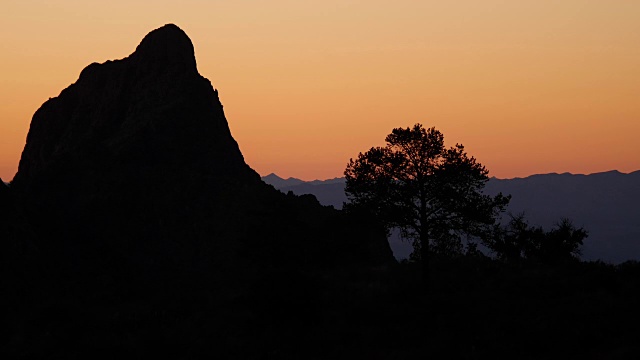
[[167, 46], [134, 164], [151, 110]]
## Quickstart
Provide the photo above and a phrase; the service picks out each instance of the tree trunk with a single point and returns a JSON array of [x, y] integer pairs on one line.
[[424, 241], [424, 258]]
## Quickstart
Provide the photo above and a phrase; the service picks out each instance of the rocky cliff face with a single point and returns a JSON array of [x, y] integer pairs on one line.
[[136, 161], [141, 204], [134, 164], [148, 113]]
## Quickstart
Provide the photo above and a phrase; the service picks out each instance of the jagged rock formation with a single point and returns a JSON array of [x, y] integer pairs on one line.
[[142, 204], [138, 147], [149, 119]]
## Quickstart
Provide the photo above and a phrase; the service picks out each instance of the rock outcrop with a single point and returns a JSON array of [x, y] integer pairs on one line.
[[142, 204], [148, 114]]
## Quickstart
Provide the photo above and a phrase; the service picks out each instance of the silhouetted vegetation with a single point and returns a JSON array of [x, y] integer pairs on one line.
[[518, 240], [433, 194]]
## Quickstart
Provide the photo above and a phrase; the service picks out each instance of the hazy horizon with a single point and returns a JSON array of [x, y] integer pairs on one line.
[[516, 177], [501, 178]]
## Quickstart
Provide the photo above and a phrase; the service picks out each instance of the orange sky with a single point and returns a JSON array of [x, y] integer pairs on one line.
[[527, 86]]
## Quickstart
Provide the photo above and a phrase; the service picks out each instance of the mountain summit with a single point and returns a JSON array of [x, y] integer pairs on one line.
[[138, 151], [166, 46], [151, 110], [140, 203]]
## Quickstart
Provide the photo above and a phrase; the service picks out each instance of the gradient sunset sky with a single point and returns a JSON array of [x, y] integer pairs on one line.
[[527, 86]]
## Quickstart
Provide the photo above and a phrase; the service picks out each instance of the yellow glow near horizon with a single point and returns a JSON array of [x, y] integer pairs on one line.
[[527, 86]]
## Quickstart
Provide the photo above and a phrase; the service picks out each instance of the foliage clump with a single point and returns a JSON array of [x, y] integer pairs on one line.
[[517, 240], [432, 193]]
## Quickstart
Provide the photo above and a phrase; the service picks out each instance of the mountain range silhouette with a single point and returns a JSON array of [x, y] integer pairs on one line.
[[606, 204]]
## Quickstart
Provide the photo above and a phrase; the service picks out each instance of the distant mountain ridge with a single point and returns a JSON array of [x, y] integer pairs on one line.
[[278, 182], [607, 204]]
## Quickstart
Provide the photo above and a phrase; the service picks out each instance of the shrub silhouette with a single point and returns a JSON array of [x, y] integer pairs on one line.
[[518, 240]]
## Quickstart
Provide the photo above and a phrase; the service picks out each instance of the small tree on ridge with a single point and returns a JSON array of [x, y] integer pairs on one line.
[[426, 190]]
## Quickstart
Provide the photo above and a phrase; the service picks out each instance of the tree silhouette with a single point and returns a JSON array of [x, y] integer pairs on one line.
[[432, 193], [514, 240], [562, 242], [517, 240]]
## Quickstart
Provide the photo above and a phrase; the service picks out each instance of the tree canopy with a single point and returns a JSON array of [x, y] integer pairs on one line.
[[518, 240], [433, 194]]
